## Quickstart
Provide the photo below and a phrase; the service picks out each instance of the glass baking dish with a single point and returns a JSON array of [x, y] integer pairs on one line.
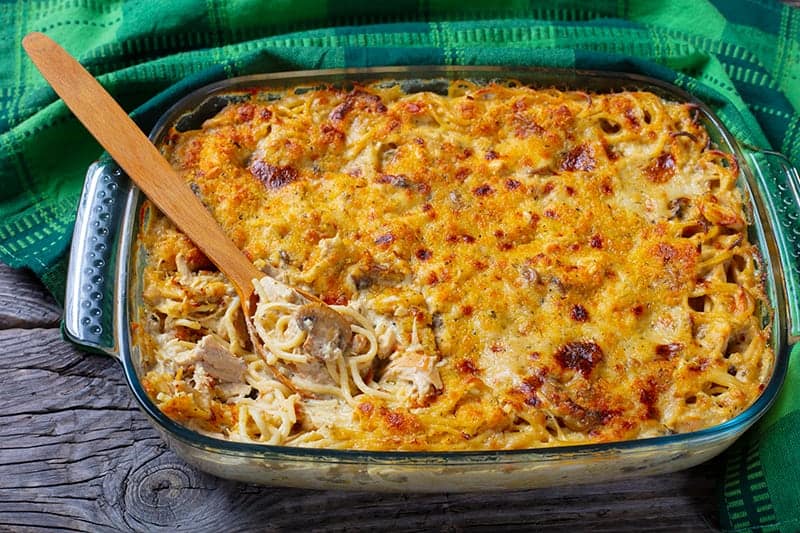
[[103, 293]]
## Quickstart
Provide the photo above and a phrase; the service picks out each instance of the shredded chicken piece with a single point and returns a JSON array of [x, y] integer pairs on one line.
[[217, 360], [416, 368], [272, 290]]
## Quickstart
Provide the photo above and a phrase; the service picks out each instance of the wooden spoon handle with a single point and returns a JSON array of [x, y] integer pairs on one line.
[[134, 152]]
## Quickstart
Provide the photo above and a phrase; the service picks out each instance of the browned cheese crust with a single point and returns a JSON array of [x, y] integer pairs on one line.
[[577, 264]]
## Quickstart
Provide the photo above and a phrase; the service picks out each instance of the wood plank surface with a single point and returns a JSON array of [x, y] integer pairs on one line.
[[76, 454]]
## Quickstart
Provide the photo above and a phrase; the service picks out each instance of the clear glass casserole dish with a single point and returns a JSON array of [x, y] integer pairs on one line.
[[104, 291]]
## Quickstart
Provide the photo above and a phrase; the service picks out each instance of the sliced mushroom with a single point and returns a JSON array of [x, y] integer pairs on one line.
[[329, 334]]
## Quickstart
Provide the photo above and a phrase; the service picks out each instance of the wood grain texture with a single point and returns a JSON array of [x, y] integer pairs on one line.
[[24, 302], [77, 454]]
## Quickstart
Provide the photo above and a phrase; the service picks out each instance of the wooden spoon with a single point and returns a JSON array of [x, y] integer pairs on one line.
[[145, 165]]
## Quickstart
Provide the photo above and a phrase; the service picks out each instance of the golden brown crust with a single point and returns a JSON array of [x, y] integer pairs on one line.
[[578, 263]]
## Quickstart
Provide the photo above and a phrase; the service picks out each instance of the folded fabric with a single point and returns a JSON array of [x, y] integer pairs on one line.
[[742, 57]]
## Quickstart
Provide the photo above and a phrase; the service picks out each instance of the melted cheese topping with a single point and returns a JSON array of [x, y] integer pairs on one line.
[[538, 268]]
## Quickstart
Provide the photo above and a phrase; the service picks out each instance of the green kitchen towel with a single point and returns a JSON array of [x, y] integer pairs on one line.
[[741, 57]]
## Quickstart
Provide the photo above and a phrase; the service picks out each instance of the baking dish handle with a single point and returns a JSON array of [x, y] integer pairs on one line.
[[89, 310], [780, 179]]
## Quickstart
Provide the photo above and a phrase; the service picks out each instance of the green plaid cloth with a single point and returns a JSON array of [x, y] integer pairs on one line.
[[741, 57]]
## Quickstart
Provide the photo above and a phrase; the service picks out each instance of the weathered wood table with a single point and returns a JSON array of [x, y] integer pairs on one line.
[[76, 454]]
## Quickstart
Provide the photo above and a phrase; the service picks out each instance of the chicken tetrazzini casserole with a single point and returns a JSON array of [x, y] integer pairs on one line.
[[505, 267]]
